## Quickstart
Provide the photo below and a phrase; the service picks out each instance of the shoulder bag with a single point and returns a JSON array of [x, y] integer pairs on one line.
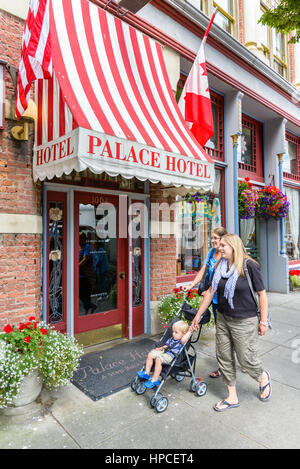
[[204, 283], [255, 295]]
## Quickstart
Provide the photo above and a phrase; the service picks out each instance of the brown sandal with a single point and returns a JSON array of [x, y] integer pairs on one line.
[[215, 374]]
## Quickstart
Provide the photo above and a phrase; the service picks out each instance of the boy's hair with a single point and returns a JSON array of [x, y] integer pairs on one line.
[[182, 326]]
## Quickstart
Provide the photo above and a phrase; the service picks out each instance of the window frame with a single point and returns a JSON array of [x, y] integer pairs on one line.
[[287, 185], [296, 140], [255, 170], [218, 154], [266, 47], [231, 18], [187, 277]]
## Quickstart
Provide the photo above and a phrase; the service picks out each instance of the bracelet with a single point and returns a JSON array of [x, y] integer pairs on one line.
[[264, 323]]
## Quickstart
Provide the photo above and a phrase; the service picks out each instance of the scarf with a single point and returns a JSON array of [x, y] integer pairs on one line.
[[232, 275]]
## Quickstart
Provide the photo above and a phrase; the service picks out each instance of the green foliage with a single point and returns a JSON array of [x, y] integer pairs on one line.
[[295, 279], [169, 305], [285, 18]]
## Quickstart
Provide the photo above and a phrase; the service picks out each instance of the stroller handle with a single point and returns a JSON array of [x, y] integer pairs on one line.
[[188, 295]]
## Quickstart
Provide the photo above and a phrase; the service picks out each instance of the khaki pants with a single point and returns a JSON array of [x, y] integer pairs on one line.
[[240, 336]]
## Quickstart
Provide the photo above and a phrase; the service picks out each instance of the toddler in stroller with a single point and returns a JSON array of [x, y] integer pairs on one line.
[[174, 355]]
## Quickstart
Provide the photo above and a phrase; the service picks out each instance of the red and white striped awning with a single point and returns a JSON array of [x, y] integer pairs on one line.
[[109, 106]]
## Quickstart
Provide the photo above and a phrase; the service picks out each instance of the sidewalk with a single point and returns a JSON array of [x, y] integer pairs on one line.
[[67, 418]]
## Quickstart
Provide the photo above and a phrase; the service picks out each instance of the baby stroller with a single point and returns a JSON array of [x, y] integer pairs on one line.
[[183, 364]]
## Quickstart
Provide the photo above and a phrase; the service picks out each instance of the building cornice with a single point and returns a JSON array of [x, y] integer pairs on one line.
[[218, 35]]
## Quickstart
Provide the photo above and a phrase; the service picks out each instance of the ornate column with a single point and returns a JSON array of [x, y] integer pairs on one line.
[[297, 65], [236, 147], [282, 224], [251, 16]]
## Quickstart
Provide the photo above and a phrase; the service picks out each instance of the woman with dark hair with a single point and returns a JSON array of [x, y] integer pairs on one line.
[[212, 258]]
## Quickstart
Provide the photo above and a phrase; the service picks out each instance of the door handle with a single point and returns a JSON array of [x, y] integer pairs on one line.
[[122, 275]]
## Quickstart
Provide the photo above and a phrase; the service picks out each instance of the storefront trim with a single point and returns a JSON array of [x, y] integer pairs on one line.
[[69, 190]]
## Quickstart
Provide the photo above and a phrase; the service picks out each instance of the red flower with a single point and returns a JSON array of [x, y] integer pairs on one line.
[[43, 331], [22, 326], [32, 318], [8, 329], [27, 339], [247, 179]]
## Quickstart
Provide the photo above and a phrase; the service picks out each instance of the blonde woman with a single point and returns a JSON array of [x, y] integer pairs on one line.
[[237, 324]]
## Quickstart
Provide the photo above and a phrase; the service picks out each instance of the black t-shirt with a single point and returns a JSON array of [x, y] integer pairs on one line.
[[243, 302]]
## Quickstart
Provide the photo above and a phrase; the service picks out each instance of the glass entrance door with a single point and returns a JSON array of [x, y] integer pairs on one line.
[[100, 269]]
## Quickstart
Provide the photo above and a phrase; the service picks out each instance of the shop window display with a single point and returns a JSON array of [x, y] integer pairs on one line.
[[292, 224], [195, 222]]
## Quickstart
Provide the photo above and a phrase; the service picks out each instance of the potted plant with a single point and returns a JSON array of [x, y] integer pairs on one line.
[[31, 355], [271, 203], [247, 197], [170, 304], [294, 277]]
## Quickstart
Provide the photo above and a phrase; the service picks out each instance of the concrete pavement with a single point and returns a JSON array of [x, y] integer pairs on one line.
[[67, 418]]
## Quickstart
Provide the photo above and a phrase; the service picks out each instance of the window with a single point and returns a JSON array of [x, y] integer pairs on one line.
[[279, 46], [56, 254], [264, 35], [291, 160], [251, 155], [199, 4], [215, 146], [225, 17], [194, 224], [292, 222]]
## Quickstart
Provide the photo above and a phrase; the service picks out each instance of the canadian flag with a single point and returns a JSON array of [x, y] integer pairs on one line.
[[194, 102]]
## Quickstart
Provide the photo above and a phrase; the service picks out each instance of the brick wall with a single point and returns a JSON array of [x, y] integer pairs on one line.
[[20, 254], [241, 26], [162, 256]]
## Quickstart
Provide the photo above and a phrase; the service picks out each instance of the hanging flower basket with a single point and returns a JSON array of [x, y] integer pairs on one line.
[[247, 199], [271, 203], [200, 197]]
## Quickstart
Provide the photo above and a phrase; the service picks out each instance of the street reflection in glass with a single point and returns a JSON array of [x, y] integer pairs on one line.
[[97, 265]]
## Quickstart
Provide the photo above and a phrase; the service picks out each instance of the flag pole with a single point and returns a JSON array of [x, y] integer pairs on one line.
[[216, 9]]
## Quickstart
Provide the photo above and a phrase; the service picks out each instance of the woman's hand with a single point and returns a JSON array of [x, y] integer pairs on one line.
[[186, 288], [262, 329], [195, 323]]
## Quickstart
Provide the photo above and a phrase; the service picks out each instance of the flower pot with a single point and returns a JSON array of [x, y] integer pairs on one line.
[[30, 389]]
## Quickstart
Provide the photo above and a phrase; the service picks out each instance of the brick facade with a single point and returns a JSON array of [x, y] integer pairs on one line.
[[20, 254], [162, 255]]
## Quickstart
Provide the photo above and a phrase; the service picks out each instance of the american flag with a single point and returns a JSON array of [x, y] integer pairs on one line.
[[36, 61]]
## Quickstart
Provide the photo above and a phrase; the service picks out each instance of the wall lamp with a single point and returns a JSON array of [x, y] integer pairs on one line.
[[21, 131]]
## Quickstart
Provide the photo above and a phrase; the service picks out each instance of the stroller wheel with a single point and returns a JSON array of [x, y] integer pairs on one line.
[[140, 388], [201, 389], [154, 398], [134, 383], [161, 404], [180, 376], [193, 385]]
